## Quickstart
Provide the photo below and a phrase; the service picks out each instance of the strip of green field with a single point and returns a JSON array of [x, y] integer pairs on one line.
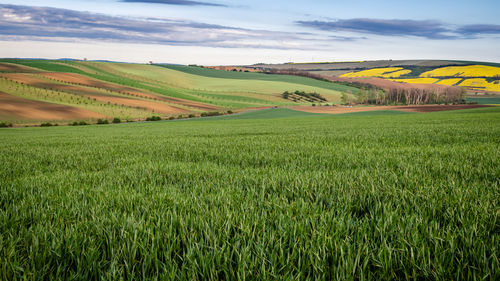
[[495, 100], [47, 65], [272, 113], [319, 198], [214, 73]]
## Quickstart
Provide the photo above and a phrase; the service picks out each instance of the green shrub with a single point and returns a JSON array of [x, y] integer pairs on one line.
[[213, 113], [180, 116], [5, 125], [229, 112], [153, 118], [191, 115], [102, 121], [117, 120], [171, 118], [47, 124], [81, 123]]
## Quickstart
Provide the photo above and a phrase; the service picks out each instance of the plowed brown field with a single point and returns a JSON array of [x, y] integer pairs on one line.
[[8, 67], [17, 107]]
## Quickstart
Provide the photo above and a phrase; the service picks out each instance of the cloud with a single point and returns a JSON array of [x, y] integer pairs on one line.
[[479, 29], [176, 2], [51, 24], [420, 28]]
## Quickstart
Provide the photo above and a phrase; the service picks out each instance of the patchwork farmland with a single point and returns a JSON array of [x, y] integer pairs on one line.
[[135, 92], [480, 80]]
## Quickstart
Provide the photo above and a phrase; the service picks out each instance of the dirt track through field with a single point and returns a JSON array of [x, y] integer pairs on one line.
[[410, 108], [20, 108]]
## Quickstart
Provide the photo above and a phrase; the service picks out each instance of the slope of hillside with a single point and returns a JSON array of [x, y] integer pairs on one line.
[[136, 91], [260, 76]]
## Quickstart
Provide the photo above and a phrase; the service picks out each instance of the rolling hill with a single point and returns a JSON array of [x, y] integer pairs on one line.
[[93, 90]]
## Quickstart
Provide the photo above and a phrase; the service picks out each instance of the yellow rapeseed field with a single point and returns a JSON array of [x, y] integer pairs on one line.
[[449, 82], [481, 84], [463, 71], [386, 72]]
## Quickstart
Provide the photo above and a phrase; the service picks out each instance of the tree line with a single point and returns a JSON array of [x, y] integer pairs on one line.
[[408, 96]]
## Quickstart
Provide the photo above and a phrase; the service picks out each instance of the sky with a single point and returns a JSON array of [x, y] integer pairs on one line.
[[223, 32]]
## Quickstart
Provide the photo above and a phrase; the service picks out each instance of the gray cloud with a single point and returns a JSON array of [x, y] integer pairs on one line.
[[176, 2], [479, 29], [420, 28]]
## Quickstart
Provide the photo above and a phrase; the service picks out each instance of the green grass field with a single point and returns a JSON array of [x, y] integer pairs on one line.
[[485, 100], [266, 195]]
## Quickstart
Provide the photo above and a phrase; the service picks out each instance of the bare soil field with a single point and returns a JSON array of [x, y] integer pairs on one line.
[[140, 104], [235, 68], [9, 67], [13, 106], [83, 80], [409, 108]]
